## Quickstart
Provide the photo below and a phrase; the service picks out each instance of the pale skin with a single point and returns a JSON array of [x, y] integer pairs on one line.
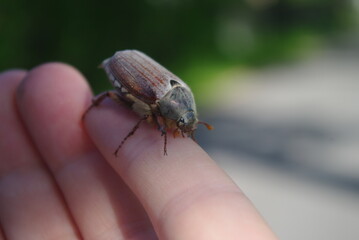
[[59, 178]]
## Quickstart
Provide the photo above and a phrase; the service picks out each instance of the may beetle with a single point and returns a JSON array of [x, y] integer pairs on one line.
[[153, 92]]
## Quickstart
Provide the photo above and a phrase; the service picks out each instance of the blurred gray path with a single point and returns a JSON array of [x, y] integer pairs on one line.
[[289, 137]]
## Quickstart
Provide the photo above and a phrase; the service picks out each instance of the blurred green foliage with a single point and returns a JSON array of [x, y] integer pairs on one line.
[[188, 37]]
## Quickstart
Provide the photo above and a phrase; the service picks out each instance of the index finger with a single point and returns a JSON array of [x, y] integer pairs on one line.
[[186, 195]]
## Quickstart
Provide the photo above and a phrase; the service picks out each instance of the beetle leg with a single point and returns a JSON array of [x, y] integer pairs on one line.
[[98, 99], [165, 145], [160, 124], [134, 129], [192, 136], [162, 128], [176, 132], [164, 133], [150, 120]]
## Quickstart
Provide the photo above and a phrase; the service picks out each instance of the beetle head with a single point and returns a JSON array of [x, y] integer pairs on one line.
[[187, 122]]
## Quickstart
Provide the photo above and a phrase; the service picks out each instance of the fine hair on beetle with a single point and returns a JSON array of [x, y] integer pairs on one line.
[[152, 92]]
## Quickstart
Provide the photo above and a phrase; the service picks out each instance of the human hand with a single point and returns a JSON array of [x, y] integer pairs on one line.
[[59, 178]]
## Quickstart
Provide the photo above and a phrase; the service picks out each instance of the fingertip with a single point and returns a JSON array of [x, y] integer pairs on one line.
[[51, 72], [12, 75], [51, 101], [9, 80]]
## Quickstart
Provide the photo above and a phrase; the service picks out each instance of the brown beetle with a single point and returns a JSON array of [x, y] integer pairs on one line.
[[153, 92]]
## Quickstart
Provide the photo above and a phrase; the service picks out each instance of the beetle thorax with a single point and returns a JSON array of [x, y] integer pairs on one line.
[[178, 105]]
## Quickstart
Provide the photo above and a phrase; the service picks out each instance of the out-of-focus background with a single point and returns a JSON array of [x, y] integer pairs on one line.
[[278, 79]]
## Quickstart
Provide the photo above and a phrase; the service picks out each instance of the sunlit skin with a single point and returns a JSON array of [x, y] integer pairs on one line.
[[59, 178]]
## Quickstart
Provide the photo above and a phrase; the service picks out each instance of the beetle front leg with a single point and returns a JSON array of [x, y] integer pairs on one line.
[[176, 133], [162, 128], [192, 136], [164, 133], [165, 146], [98, 99]]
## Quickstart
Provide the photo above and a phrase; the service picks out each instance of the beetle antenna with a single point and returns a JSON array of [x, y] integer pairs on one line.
[[134, 129], [208, 126]]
